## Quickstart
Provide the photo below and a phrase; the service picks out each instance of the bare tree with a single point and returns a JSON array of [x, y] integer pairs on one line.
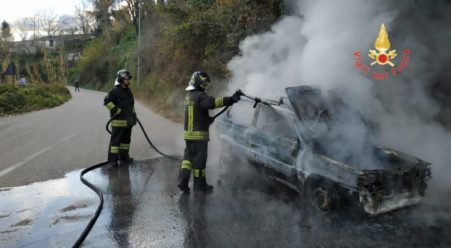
[[49, 22], [85, 17], [28, 29], [34, 22], [68, 25], [133, 10], [23, 26]]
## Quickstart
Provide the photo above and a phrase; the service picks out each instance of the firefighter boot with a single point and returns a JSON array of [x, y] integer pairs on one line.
[[126, 162], [200, 184], [183, 180], [113, 164]]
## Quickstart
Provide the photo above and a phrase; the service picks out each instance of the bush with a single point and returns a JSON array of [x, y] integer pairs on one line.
[[20, 100], [12, 101]]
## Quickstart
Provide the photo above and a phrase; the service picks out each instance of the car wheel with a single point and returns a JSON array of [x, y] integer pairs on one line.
[[322, 195]]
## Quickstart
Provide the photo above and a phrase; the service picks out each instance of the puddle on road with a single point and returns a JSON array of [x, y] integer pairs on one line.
[[28, 212], [54, 213]]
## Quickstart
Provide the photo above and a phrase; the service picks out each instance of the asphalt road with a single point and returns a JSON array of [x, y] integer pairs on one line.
[[48, 143]]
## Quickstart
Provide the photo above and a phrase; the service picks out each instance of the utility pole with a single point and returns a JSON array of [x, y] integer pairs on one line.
[[139, 41]]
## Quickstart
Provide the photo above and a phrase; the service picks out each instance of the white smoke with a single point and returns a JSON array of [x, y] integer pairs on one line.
[[315, 46]]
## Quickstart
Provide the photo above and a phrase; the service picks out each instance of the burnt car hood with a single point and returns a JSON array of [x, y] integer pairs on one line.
[[301, 98], [395, 161], [308, 101]]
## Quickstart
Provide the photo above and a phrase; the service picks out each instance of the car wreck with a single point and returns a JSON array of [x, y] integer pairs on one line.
[[313, 143]]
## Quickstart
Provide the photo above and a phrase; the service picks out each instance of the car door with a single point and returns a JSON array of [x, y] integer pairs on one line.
[[273, 142], [235, 124]]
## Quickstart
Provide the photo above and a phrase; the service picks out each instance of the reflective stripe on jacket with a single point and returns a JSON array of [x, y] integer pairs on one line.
[[197, 119], [120, 97]]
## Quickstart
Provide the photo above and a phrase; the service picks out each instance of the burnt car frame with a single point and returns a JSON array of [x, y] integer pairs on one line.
[[281, 138]]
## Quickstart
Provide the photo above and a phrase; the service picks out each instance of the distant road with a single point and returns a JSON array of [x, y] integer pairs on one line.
[[46, 144]]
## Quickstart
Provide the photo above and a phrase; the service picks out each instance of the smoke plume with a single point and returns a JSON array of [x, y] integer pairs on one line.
[[315, 45]]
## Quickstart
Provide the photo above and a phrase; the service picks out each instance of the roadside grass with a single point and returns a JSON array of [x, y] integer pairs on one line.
[[17, 100]]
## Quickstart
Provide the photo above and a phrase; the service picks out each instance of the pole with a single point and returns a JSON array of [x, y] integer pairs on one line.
[[139, 41]]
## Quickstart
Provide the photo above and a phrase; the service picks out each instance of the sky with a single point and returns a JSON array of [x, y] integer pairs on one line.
[[10, 11], [17, 9]]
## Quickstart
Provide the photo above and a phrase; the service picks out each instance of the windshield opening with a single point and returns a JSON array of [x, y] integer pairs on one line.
[[333, 127]]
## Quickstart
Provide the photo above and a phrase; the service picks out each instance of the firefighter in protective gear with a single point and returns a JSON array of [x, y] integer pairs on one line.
[[121, 104], [197, 123]]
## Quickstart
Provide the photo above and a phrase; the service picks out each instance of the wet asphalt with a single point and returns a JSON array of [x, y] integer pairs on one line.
[[143, 207]]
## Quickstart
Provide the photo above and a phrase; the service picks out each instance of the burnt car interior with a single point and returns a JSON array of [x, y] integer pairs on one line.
[[330, 126]]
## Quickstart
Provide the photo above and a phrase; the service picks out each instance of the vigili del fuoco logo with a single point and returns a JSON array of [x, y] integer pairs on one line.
[[382, 65]]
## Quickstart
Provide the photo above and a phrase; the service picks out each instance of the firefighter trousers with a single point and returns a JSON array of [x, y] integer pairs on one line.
[[194, 159], [119, 144]]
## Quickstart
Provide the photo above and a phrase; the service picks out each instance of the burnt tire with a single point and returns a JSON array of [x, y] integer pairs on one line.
[[323, 196]]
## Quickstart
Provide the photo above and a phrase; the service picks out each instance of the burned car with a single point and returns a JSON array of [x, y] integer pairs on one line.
[[313, 144]]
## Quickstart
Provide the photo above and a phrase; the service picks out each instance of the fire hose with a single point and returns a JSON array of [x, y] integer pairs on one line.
[[93, 220]]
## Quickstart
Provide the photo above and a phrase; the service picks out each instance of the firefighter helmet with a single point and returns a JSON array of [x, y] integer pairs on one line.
[[199, 80], [123, 74]]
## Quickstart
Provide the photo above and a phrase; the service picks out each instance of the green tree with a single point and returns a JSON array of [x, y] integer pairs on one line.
[[5, 37], [6, 31], [85, 17], [102, 13], [201, 2]]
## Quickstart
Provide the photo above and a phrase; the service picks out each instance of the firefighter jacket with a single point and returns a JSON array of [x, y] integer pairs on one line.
[[121, 104], [197, 119]]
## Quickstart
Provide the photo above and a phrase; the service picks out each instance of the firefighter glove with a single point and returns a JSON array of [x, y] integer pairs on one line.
[[134, 119], [237, 96], [131, 120]]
